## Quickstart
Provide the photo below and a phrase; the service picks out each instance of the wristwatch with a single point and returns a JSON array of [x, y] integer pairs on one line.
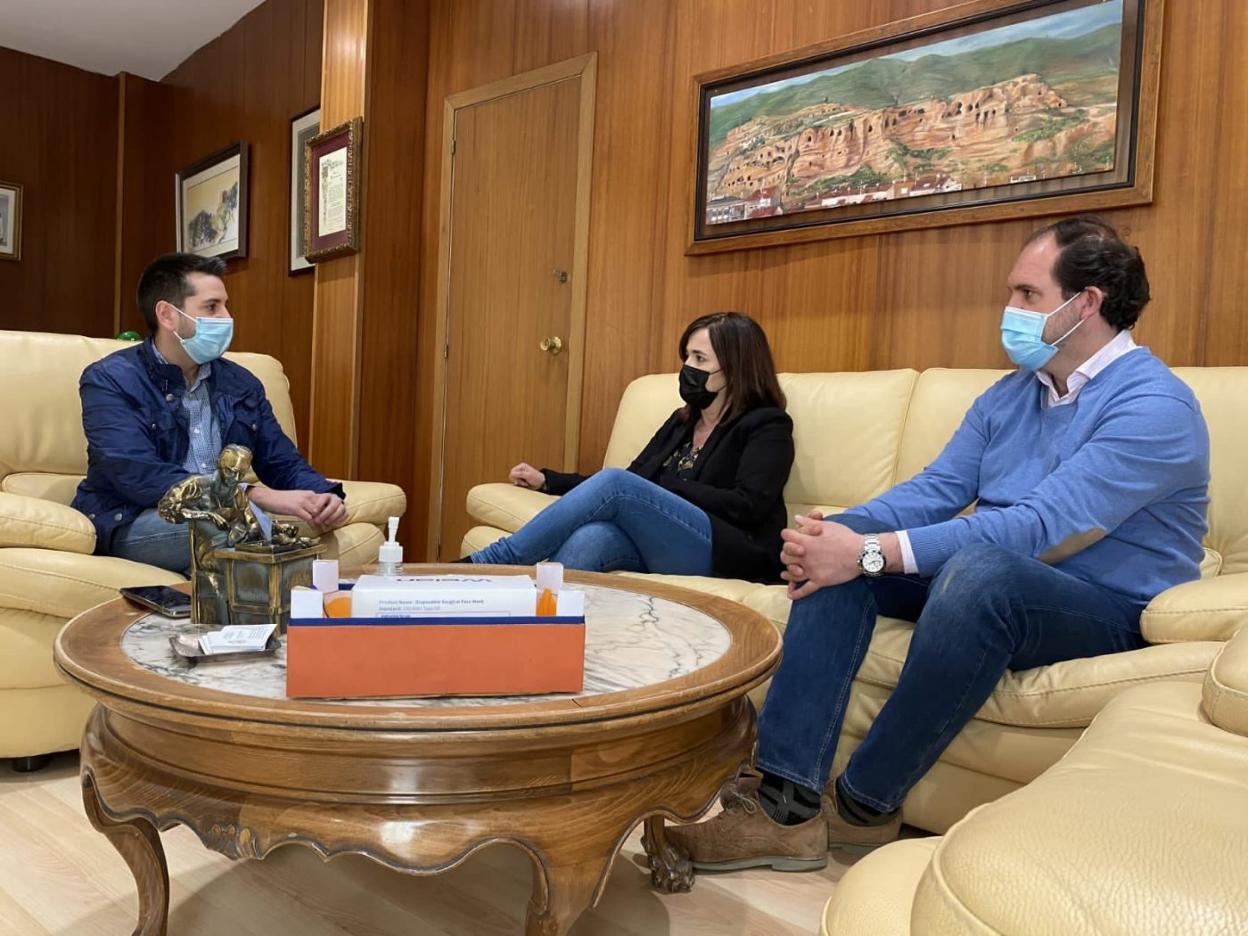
[[871, 559]]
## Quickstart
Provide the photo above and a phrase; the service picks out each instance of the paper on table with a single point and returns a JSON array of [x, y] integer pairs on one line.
[[237, 638]]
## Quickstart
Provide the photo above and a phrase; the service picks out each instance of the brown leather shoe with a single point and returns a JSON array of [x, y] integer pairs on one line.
[[842, 834], [743, 836]]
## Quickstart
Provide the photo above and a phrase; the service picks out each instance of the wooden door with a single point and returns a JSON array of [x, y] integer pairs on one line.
[[512, 330]]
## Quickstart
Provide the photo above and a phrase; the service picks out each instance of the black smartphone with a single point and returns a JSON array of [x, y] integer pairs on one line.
[[168, 601]]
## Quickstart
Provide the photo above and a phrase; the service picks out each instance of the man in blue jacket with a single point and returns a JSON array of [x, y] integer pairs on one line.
[[1089, 471], [162, 410]]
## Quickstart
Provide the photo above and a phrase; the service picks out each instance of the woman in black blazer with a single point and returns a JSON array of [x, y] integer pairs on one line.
[[704, 497]]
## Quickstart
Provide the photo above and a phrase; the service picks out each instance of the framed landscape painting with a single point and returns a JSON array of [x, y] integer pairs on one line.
[[985, 111], [211, 204]]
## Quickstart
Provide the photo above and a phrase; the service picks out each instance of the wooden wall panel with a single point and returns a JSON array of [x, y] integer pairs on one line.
[[910, 299], [1217, 295], [333, 435], [395, 131], [58, 138], [244, 85], [146, 221]]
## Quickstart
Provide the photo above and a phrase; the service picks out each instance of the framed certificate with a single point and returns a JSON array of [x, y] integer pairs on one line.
[[331, 191]]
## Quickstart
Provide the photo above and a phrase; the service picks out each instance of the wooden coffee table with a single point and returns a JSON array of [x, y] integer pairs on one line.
[[420, 784]]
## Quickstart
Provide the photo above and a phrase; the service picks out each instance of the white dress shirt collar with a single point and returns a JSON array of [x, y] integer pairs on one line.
[[1122, 343]]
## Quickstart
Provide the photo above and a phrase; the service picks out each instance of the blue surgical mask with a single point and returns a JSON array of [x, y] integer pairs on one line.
[[211, 339], [1022, 335]]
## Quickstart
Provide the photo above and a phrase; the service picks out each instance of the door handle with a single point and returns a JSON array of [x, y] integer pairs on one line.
[[551, 345]]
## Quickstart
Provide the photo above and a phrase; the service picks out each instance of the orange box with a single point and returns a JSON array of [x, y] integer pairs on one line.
[[363, 657]]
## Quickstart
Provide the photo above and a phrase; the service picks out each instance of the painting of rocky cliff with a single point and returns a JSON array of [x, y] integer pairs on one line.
[[1005, 105]]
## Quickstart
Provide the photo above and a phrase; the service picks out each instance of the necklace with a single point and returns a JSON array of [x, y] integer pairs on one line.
[[688, 460]]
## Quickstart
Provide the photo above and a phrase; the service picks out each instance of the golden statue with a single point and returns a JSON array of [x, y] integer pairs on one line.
[[219, 515]]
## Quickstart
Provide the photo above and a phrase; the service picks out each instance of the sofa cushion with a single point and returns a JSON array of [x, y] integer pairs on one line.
[[38, 721], [846, 430], [1207, 609], [1222, 391], [44, 484], [1062, 695], [353, 545], [733, 589], [26, 649], [32, 521], [1065, 694], [477, 538], [1226, 686], [645, 405], [506, 506], [1017, 753], [862, 412], [60, 583], [941, 398], [1141, 829], [45, 432], [875, 894], [373, 501]]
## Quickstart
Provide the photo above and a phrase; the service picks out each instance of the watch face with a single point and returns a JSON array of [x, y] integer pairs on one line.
[[873, 563]]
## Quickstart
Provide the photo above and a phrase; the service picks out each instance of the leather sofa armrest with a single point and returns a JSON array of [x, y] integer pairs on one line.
[[373, 501], [506, 506], [45, 524], [1207, 609], [1225, 695]]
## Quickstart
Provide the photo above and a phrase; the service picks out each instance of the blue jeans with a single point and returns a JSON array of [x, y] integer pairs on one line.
[[986, 611], [153, 541], [610, 522]]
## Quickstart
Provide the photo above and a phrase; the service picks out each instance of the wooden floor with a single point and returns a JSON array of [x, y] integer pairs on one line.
[[59, 876]]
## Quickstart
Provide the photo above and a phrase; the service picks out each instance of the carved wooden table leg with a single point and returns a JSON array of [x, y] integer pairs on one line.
[[139, 844], [670, 869], [562, 892]]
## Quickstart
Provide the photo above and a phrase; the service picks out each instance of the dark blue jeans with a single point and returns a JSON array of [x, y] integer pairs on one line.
[[987, 611], [154, 541], [613, 521]]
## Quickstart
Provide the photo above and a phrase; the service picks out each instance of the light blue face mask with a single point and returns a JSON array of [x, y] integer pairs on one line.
[[211, 339], [1022, 335]]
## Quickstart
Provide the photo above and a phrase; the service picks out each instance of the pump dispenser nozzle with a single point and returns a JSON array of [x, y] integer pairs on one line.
[[390, 555]]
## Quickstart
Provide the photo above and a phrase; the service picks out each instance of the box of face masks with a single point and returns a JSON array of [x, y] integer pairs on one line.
[[437, 636]]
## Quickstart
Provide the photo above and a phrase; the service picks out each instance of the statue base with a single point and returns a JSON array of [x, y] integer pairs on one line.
[[258, 582]]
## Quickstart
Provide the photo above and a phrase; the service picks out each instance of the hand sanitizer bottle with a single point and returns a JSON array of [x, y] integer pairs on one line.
[[390, 555]]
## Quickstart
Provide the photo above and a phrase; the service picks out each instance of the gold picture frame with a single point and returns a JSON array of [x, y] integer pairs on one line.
[[10, 221], [332, 170]]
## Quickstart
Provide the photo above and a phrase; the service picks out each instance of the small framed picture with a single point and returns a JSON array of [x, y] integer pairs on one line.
[[331, 195], [302, 129], [10, 221], [211, 200]]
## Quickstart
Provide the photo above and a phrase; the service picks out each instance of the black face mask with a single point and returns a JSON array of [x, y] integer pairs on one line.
[[693, 387]]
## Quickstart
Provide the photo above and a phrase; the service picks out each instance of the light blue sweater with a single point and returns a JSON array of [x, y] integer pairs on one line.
[[1111, 488]]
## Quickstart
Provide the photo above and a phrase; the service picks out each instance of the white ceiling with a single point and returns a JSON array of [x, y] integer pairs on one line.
[[145, 37]]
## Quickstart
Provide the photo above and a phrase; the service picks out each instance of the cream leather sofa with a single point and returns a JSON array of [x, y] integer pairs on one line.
[[856, 435], [1141, 829], [47, 571]]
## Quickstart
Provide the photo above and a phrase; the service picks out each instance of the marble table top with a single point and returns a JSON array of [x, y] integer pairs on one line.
[[631, 640]]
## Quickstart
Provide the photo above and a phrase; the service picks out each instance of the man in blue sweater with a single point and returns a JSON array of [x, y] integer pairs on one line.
[[158, 412], [1088, 468]]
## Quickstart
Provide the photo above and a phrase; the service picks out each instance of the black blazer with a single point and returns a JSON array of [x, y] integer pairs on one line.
[[738, 480]]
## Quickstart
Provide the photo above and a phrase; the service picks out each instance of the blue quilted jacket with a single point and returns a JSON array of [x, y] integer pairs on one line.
[[138, 436]]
